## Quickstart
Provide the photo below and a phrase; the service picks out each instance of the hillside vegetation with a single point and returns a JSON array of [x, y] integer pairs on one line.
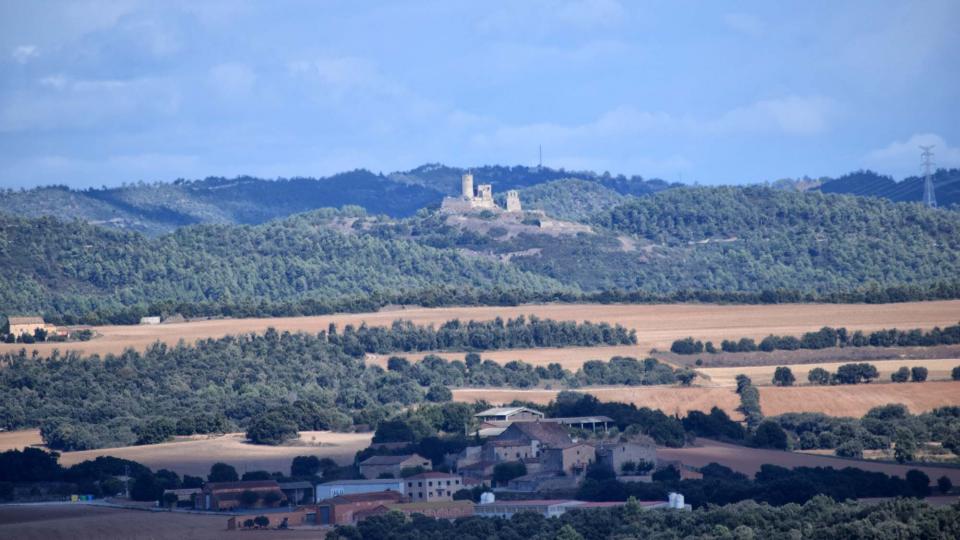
[[71, 270], [161, 207], [572, 199], [870, 184]]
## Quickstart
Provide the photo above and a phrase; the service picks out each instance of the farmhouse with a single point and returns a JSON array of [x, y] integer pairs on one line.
[[341, 510], [433, 486], [230, 495], [18, 326], [509, 414], [328, 490], [381, 466]]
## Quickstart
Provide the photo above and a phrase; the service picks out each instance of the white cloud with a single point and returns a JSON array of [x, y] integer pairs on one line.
[[232, 79], [791, 115], [58, 102], [24, 53], [903, 157]]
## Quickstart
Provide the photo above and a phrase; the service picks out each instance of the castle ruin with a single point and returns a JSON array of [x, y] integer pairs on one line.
[[481, 199]]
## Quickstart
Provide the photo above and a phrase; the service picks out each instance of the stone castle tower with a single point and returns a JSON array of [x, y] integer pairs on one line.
[[513, 201], [466, 186]]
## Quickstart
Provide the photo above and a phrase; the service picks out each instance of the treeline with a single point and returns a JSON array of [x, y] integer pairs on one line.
[[819, 517], [297, 381], [772, 484], [455, 335], [826, 338], [882, 428], [32, 474]]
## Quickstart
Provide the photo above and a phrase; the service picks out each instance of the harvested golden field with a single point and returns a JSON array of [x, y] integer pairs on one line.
[[656, 325], [195, 456], [939, 369], [856, 400], [748, 460], [81, 521], [18, 440], [842, 400], [669, 399], [568, 357]]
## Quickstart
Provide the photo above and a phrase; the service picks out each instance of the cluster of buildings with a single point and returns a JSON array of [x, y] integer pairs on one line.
[[554, 461], [27, 326]]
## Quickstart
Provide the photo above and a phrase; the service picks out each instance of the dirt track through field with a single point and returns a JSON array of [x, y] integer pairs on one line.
[[656, 325], [841, 400]]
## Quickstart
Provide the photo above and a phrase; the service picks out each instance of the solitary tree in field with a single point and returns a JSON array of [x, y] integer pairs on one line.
[[783, 376], [944, 485], [901, 375], [918, 373]]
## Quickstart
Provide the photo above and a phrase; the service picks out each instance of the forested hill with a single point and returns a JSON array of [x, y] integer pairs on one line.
[[762, 238], [870, 184], [573, 199], [161, 207], [75, 271]]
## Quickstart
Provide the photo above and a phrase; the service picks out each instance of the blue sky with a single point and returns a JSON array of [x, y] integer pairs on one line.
[[95, 92]]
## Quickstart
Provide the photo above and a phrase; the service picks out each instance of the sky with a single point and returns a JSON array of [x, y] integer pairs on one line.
[[104, 92]]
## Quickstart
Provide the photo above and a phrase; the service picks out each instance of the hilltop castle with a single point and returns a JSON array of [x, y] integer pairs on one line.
[[482, 199]]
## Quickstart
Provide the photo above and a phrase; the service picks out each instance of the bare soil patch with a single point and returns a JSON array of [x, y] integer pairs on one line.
[[939, 370], [657, 326], [748, 460], [80, 522], [18, 440]]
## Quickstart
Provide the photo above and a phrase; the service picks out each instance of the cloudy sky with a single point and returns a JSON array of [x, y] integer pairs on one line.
[[103, 92]]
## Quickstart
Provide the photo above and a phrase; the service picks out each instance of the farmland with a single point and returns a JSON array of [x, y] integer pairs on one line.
[[656, 325], [194, 456], [841, 400], [939, 369], [748, 460], [80, 521]]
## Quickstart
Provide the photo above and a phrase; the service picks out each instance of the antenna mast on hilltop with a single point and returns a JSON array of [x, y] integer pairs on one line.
[[540, 165], [929, 197]]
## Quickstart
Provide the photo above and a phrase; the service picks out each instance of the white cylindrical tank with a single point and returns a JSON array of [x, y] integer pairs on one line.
[[466, 185], [672, 497], [679, 501], [487, 497]]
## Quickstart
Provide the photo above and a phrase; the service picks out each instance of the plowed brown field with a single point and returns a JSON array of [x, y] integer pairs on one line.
[[656, 325]]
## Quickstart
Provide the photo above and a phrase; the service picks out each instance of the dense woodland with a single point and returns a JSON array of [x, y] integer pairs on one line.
[[87, 402], [74, 271], [818, 518], [708, 244]]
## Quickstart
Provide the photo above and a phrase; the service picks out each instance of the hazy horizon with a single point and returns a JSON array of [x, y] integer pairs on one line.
[[100, 93]]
